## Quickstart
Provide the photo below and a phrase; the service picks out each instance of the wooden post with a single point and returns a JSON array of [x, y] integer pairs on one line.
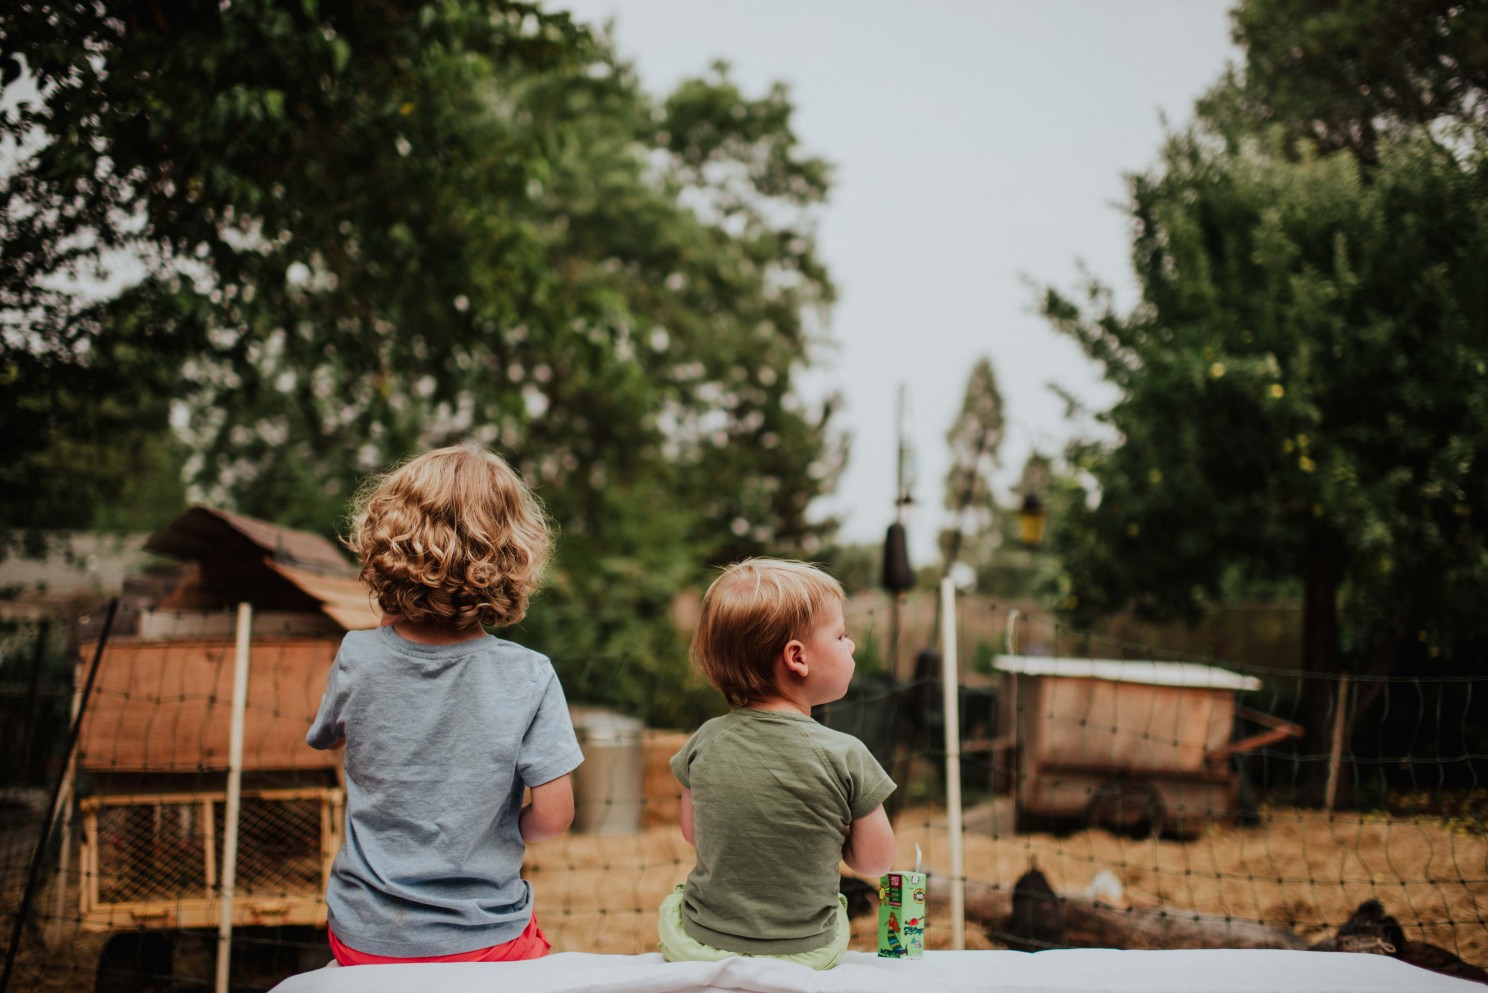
[[234, 795], [64, 802], [33, 693], [209, 850], [33, 872], [896, 599], [949, 686], [1014, 718], [1335, 752]]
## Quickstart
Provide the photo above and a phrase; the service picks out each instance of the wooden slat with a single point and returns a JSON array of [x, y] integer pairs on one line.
[[100, 800], [1154, 774], [164, 706], [342, 598], [1100, 723], [296, 910]]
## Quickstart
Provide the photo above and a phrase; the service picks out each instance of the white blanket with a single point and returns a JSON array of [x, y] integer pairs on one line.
[[1084, 970]]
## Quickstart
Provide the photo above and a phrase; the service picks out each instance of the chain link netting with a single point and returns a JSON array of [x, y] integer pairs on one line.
[[1186, 814]]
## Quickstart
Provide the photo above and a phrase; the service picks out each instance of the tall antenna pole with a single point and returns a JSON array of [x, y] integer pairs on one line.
[[902, 499], [897, 575]]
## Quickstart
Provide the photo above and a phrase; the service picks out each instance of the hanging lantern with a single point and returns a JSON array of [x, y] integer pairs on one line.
[[1031, 520], [897, 575]]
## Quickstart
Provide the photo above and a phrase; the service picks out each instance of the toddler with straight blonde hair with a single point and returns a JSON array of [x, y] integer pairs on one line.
[[772, 800], [444, 725]]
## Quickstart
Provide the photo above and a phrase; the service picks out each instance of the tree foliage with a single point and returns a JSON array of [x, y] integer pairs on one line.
[[1297, 385], [1304, 384], [347, 233], [1350, 76], [242, 171], [975, 439]]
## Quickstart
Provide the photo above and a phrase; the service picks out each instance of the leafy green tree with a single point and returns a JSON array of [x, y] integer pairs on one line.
[[1304, 396], [975, 438], [281, 186], [1351, 76], [1020, 569], [82, 447], [1303, 380], [859, 565], [692, 265], [360, 233]]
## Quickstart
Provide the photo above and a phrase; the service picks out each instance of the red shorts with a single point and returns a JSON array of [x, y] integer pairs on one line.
[[530, 944]]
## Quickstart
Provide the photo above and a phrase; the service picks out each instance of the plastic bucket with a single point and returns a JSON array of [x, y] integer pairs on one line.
[[608, 786]]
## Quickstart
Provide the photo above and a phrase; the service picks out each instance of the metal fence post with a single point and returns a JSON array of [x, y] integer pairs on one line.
[[949, 685]]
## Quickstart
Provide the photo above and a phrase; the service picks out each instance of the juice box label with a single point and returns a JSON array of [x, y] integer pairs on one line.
[[901, 915]]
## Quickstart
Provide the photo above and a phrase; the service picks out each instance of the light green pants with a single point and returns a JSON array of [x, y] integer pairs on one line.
[[678, 946]]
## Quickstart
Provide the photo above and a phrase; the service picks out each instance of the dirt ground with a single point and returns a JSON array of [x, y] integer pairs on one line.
[[1300, 870], [1303, 870]]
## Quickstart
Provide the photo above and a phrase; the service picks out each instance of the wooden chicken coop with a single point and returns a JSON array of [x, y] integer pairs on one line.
[[1134, 746], [152, 761]]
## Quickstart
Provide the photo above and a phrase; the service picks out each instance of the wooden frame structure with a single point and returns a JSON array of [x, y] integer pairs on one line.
[[208, 811], [186, 832], [1130, 745]]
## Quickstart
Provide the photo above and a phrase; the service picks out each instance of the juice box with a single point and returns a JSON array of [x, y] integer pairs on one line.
[[901, 915]]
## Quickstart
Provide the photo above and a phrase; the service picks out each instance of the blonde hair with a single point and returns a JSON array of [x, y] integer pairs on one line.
[[750, 612], [452, 537]]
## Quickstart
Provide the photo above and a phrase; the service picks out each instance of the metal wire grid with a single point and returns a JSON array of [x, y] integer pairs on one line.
[[155, 848]]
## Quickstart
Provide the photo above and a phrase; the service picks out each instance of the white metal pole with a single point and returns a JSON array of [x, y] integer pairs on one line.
[[234, 795], [949, 686]]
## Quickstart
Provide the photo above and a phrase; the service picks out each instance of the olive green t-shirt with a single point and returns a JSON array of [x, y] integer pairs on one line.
[[771, 794]]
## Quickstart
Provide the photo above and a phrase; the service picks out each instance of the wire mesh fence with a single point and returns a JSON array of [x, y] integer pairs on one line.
[[1164, 799], [150, 856]]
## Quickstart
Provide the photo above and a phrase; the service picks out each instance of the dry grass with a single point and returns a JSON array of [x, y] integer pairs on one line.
[[1304, 870]]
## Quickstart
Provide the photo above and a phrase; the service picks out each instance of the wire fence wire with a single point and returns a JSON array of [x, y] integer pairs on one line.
[[1190, 812]]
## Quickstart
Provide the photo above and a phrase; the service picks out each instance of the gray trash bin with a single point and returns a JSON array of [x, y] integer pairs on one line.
[[608, 786]]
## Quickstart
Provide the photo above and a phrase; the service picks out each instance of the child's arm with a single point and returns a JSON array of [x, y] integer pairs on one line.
[[550, 812], [870, 843], [684, 816]]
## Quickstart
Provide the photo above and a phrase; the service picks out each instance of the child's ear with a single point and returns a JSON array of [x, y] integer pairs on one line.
[[793, 657]]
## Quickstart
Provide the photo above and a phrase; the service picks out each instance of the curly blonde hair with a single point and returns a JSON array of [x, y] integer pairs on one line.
[[752, 610], [452, 537]]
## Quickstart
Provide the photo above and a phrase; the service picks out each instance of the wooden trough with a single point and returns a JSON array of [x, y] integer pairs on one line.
[[1133, 746]]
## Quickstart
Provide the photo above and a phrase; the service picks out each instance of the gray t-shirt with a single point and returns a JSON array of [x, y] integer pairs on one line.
[[771, 794], [440, 740]]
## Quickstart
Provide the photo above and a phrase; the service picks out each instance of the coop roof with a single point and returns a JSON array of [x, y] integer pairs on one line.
[[203, 533], [342, 598], [1190, 674], [244, 558]]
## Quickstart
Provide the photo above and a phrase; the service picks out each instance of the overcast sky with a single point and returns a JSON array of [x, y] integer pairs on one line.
[[978, 144]]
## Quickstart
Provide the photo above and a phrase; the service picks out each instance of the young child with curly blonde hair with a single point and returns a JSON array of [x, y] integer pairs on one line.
[[772, 800], [444, 725]]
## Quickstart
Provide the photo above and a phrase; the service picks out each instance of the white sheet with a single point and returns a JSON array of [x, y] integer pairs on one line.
[[1084, 970]]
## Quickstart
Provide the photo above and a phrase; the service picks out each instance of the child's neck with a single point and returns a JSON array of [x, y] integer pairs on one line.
[[436, 634], [784, 704]]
